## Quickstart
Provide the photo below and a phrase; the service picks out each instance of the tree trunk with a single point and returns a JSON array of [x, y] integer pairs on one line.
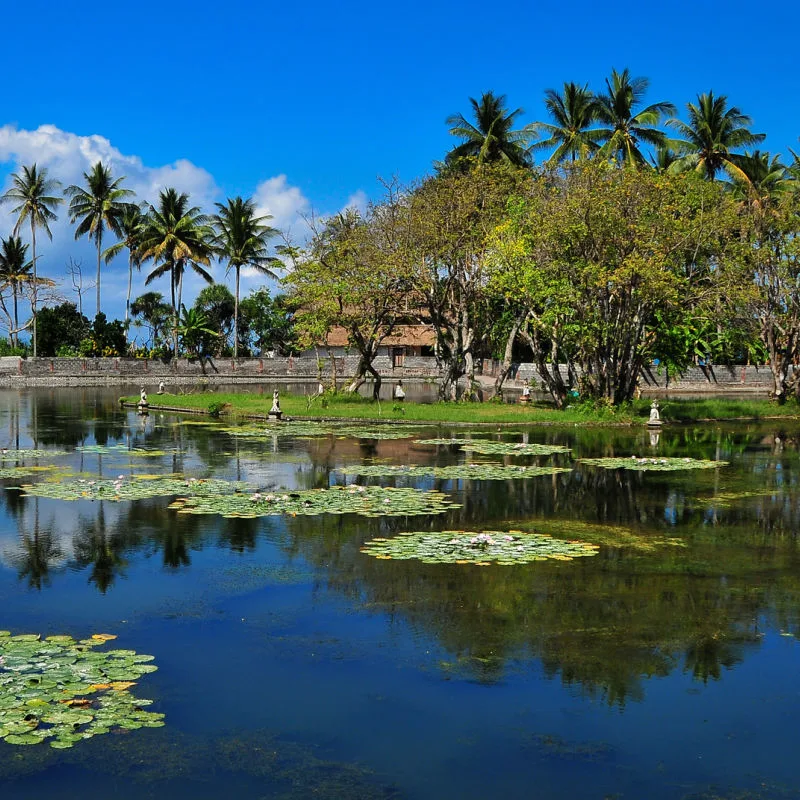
[[334, 376], [35, 285], [99, 246], [236, 316], [172, 276], [15, 337], [508, 355], [128, 297]]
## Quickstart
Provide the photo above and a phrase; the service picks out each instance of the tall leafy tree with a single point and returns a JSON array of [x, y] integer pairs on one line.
[[217, 303], [242, 239], [573, 112], [628, 127], [491, 137], [131, 226], [16, 271], [711, 137], [176, 236], [97, 207], [149, 310], [31, 193]]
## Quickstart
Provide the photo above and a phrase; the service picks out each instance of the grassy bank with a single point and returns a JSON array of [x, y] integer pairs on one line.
[[342, 406]]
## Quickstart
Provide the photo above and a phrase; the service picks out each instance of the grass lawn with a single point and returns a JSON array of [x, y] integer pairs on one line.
[[297, 406]]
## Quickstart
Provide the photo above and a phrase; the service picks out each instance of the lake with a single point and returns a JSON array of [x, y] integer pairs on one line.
[[661, 661]]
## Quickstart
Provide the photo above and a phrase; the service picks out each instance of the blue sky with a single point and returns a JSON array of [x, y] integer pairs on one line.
[[305, 105]]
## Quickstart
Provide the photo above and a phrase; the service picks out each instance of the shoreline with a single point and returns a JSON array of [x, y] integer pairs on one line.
[[506, 415]]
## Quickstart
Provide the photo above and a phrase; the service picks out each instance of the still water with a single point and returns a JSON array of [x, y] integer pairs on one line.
[[291, 665]]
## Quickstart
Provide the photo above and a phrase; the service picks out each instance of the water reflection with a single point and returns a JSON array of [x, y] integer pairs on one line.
[[605, 625]]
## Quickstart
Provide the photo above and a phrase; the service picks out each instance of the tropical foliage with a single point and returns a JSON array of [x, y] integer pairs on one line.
[[646, 234]]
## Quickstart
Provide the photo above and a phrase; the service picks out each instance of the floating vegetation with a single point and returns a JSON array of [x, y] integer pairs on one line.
[[137, 487], [483, 472], [483, 549], [368, 501], [21, 472], [312, 429], [500, 448], [726, 499], [652, 464], [15, 455], [119, 450], [608, 535], [61, 691]]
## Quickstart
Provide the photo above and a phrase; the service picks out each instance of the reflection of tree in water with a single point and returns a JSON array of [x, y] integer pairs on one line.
[[95, 547], [37, 553], [603, 624]]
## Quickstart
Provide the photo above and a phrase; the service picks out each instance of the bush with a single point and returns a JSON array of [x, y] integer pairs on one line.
[[6, 349]]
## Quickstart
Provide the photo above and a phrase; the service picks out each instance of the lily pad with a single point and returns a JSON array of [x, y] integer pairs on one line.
[[488, 447], [21, 472], [368, 501], [652, 464], [307, 430], [120, 450], [484, 472], [62, 691], [14, 455], [482, 549], [138, 487]]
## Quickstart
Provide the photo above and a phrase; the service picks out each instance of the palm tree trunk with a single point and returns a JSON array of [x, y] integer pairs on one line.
[[174, 316], [99, 246], [179, 280], [35, 285], [128, 298], [236, 317], [15, 337]]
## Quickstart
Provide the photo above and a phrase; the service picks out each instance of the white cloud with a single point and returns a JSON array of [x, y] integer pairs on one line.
[[286, 204], [357, 201], [67, 156]]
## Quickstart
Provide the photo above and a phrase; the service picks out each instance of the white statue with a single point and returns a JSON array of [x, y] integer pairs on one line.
[[143, 398], [276, 404], [399, 393], [654, 415], [161, 387]]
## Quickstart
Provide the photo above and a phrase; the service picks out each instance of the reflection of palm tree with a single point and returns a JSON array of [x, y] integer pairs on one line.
[[38, 552], [708, 653], [93, 546]]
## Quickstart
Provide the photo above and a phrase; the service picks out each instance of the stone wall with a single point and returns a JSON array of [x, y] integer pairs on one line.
[[709, 379], [16, 371]]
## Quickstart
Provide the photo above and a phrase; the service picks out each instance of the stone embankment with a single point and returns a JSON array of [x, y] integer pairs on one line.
[[14, 371]]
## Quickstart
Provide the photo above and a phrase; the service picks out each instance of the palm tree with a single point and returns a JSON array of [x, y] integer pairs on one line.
[[31, 191], [98, 207], [616, 107], [176, 235], [242, 239], [573, 112], [131, 226], [711, 136], [15, 272], [765, 178], [194, 329], [491, 138]]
